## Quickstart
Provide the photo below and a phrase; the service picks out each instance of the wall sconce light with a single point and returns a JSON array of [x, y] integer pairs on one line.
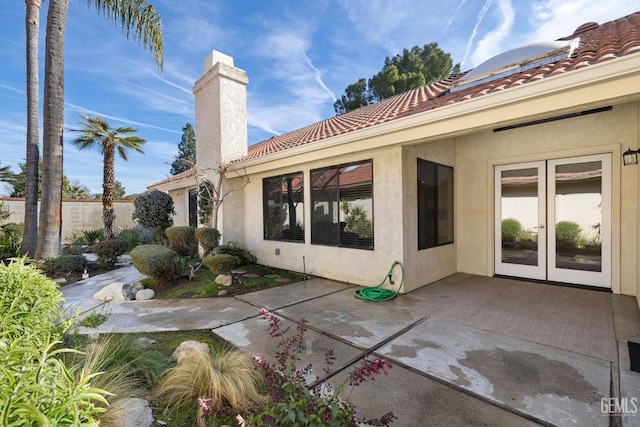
[[630, 157]]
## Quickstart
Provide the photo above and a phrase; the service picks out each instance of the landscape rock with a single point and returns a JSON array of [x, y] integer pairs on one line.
[[187, 347], [60, 281], [112, 292], [132, 412], [145, 294], [129, 292], [223, 293], [145, 341], [139, 286], [224, 279]]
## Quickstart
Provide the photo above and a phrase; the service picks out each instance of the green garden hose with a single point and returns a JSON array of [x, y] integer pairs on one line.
[[376, 293]]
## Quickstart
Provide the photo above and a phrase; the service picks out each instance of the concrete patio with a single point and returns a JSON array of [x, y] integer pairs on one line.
[[466, 350]]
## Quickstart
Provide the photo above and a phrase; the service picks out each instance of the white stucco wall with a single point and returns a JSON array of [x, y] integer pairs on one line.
[[426, 265], [477, 154], [363, 267]]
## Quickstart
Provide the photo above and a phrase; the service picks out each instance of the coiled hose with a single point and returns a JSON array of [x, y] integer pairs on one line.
[[376, 293]]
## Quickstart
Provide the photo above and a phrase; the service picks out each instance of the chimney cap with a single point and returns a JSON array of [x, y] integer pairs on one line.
[[217, 57]]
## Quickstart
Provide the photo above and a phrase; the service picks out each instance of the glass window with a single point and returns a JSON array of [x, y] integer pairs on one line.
[[435, 204], [342, 202], [283, 207]]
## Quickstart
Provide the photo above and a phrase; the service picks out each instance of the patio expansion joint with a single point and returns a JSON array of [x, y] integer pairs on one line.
[[468, 392]]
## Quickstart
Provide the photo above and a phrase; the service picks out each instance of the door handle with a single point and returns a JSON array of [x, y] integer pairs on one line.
[[541, 226]]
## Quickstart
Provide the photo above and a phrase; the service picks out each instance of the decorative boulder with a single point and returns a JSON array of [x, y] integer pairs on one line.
[[112, 292], [145, 294], [187, 347], [224, 279], [139, 286], [129, 291], [132, 412]]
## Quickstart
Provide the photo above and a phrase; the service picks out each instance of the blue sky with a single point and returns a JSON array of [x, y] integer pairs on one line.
[[299, 57]]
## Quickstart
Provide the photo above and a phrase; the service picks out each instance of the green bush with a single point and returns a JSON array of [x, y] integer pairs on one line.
[[108, 252], [567, 235], [92, 236], [154, 210], [10, 240], [156, 261], [130, 236], [65, 264], [182, 239], [511, 230], [220, 264], [242, 256], [208, 238], [72, 250], [36, 387]]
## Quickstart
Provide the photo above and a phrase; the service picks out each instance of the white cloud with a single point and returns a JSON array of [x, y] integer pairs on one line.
[[493, 42], [552, 19]]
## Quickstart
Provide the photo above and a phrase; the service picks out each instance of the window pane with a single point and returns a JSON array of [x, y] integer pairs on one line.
[[435, 204], [324, 196], [356, 205], [342, 198], [283, 207], [445, 205]]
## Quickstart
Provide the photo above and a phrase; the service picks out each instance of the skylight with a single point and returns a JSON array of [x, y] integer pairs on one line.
[[517, 60]]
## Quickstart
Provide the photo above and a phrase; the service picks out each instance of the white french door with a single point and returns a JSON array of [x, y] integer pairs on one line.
[[553, 220]]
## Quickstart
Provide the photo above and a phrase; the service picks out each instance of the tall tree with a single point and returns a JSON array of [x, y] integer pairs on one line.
[[186, 157], [19, 182], [7, 176], [96, 133], [50, 222], [413, 68], [30, 227], [138, 20]]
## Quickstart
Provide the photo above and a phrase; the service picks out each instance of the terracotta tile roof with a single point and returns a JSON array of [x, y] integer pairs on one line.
[[182, 175], [598, 43]]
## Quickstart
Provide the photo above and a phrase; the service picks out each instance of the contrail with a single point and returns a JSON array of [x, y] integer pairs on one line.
[[483, 11], [452, 17]]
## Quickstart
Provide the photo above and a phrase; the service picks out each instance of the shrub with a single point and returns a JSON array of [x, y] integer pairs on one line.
[[10, 240], [72, 250], [220, 264], [65, 264], [156, 261], [108, 252], [242, 256], [567, 235], [92, 236], [511, 230], [154, 210], [208, 238], [182, 240], [37, 388]]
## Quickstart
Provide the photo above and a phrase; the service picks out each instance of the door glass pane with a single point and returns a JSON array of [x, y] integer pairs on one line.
[[519, 216], [578, 216]]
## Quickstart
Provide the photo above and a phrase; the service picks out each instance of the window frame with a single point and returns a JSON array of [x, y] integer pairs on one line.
[[339, 237], [296, 237], [426, 222]]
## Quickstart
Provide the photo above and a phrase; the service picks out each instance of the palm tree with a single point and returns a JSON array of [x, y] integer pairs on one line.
[[138, 20], [97, 134], [50, 222], [30, 228]]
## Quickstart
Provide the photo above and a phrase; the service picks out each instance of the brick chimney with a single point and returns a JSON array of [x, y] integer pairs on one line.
[[221, 111]]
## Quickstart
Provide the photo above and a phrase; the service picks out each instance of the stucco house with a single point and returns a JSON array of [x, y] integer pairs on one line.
[[515, 168]]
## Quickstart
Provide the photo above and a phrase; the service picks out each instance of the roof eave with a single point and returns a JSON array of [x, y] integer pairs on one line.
[[586, 78]]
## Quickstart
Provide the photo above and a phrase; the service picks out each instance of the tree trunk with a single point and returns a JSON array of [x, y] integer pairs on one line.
[[108, 180], [52, 145], [30, 230]]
